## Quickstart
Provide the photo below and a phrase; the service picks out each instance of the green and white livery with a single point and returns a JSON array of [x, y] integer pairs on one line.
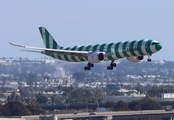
[[134, 51]]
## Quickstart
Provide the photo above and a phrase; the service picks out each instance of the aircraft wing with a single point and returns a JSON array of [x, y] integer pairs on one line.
[[48, 51]]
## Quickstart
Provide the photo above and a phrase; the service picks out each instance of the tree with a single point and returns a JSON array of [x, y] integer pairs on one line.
[[151, 104], [9, 98], [67, 91], [140, 88], [42, 99], [14, 108], [59, 88], [121, 106], [109, 105], [154, 91], [79, 76], [97, 93], [53, 99], [135, 105], [87, 93], [35, 110], [31, 78], [77, 93], [28, 100], [24, 92], [13, 95]]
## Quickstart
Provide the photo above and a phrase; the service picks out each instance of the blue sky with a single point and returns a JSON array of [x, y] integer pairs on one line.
[[82, 22]]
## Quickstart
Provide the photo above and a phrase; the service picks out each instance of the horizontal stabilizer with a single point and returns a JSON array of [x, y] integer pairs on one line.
[[32, 51]]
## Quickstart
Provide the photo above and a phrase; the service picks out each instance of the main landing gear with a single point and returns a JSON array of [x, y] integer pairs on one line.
[[149, 58], [112, 65], [89, 65]]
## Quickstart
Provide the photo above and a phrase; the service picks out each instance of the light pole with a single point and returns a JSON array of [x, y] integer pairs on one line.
[[163, 92], [97, 104], [66, 105], [87, 107]]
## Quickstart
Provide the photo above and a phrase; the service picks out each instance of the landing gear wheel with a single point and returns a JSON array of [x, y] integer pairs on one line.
[[108, 68], [112, 65], [149, 60], [88, 67], [85, 68], [91, 65]]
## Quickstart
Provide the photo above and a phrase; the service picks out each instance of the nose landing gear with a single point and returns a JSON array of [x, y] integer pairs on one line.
[[149, 58]]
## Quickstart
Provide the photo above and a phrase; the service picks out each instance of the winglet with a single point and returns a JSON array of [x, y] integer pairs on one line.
[[16, 45], [11, 43], [33, 51]]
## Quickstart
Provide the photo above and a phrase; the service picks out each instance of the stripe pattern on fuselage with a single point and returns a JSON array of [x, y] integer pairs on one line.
[[120, 50]]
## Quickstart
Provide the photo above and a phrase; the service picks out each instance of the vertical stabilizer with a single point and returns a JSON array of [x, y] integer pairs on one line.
[[48, 39]]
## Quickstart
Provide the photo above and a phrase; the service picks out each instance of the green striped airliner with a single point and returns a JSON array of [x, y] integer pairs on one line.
[[134, 50]]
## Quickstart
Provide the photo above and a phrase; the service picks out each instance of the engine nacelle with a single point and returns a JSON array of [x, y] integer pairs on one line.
[[96, 57], [135, 59]]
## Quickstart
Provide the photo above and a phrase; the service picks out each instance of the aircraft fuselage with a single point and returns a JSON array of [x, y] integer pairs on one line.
[[120, 50]]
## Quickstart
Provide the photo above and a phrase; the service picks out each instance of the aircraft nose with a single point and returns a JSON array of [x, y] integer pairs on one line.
[[158, 47]]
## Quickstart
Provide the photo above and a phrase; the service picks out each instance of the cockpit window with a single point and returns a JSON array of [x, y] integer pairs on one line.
[[154, 43]]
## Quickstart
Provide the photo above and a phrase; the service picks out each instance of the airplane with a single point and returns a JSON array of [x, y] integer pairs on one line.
[[134, 51]]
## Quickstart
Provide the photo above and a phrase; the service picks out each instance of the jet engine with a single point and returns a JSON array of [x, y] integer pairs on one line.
[[96, 57], [135, 59]]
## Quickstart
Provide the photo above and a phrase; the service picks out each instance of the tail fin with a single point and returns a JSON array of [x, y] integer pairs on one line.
[[48, 39]]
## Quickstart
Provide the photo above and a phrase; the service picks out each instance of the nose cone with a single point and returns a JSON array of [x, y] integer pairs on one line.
[[158, 47]]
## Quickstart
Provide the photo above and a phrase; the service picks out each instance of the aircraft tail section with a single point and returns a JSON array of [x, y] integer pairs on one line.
[[48, 39]]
